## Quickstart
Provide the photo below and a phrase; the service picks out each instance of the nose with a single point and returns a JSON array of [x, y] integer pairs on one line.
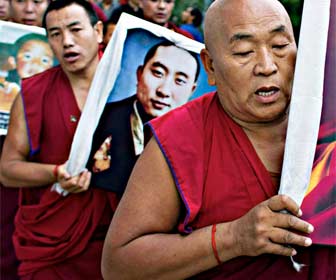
[[164, 89], [162, 4], [67, 39], [29, 6], [265, 64]]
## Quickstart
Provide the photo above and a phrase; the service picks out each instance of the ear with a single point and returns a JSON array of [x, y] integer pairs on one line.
[[208, 66], [98, 27], [139, 73], [193, 87]]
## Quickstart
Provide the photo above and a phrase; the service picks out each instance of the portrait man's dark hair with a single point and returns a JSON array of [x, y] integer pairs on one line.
[[165, 43]]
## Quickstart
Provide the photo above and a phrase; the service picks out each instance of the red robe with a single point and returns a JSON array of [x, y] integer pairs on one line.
[[57, 237], [220, 177]]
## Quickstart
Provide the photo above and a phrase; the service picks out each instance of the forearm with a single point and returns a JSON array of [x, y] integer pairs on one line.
[[18, 173], [164, 256]]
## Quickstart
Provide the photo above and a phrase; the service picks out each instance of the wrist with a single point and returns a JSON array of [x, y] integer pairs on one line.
[[55, 171], [214, 244], [227, 243]]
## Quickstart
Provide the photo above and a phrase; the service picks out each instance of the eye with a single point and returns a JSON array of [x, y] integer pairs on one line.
[[157, 72], [45, 60], [280, 46], [27, 56], [75, 29], [181, 81], [54, 34], [242, 54]]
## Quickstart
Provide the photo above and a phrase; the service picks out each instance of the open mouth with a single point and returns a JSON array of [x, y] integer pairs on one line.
[[267, 91], [71, 56]]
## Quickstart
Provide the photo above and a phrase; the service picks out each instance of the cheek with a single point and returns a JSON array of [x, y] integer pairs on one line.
[[21, 65], [142, 92], [149, 85], [181, 95], [42, 9]]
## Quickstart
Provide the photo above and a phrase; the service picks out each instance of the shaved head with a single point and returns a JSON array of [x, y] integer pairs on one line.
[[239, 13]]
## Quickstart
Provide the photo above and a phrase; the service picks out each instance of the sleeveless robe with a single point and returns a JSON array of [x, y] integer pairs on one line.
[[57, 237], [220, 178]]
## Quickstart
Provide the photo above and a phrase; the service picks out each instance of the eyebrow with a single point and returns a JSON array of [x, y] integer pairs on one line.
[[159, 64], [280, 29], [68, 26], [246, 36]]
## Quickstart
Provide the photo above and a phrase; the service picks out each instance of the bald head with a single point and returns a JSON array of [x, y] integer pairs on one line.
[[224, 14]]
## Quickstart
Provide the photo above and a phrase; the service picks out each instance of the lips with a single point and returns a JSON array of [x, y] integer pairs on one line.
[[267, 94], [267, 91], [161, 15], [71, 56], [29, 21], [158, 105]]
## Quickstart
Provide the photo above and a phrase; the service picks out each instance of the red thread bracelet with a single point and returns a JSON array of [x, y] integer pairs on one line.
[[55, 171], [213, 243]]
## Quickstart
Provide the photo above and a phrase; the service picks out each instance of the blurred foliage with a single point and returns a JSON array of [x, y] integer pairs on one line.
[[293, 7]]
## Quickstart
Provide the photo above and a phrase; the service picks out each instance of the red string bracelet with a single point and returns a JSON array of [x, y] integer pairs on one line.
[[213, 243], [55, 171]]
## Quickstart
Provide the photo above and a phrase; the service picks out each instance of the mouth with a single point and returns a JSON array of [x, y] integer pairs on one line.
[[161, 15], [71, 56], [29, 21], [159, 105], [267, 94]]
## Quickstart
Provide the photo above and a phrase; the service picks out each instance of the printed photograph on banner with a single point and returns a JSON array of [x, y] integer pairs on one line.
[[156, 70], [24, 51], [319, 204]]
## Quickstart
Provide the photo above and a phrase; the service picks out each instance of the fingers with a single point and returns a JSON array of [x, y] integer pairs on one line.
[[78, 183], [285, 237], [265, 229], [283, 202], [62, 174], [283, 250], [289, 221]]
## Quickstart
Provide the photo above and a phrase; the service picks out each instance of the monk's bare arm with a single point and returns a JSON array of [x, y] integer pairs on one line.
[[140, 243], [17, 171]]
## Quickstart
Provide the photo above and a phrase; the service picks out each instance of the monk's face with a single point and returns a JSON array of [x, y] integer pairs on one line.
[[157, 11], [29, 12], [73, 39], [4, 9], [250, 57]]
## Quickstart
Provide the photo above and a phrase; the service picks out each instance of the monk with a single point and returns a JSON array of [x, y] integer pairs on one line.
[[56, 237], [202, 200]]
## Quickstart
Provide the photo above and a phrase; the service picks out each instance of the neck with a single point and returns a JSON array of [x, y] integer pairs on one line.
[[267, 131], [268, 140], [80, 83]]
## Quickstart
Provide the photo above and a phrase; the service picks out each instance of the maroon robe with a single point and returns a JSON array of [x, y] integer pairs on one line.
[[220, 178], [57, 237]]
